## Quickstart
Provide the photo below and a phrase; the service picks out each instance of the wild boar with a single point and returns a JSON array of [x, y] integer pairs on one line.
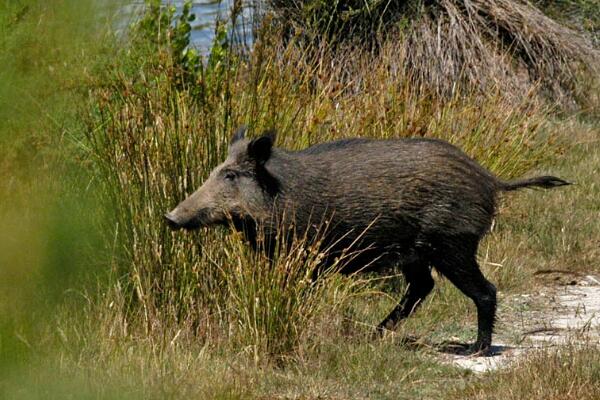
[[414, 203]]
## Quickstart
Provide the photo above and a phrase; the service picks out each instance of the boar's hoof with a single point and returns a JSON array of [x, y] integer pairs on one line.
[[480, 349]]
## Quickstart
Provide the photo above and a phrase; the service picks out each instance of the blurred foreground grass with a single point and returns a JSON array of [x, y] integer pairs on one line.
[[48, 245], [99, 137]]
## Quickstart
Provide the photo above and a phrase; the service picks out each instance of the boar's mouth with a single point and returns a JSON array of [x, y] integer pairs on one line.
[[176, 224]]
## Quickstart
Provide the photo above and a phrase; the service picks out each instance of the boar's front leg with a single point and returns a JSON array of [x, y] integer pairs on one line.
[[420, 283]]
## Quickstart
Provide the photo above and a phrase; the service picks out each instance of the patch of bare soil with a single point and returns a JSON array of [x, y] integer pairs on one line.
[[551, 317]]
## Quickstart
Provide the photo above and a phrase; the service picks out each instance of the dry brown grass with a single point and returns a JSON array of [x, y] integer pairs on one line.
[[569, 373], [507, 44]]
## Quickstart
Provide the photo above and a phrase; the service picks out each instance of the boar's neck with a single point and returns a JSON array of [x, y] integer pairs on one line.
[[302, 186], [298, 177]]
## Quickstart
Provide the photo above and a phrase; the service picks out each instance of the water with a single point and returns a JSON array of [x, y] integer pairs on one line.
[[207, 12]]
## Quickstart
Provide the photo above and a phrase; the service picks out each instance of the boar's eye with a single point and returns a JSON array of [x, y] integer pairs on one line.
[[230, 176]]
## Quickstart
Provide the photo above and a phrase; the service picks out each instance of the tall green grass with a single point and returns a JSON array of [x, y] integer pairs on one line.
[[161, 118]]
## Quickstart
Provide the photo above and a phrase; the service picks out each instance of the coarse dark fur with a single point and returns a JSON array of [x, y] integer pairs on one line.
[[414, 203]]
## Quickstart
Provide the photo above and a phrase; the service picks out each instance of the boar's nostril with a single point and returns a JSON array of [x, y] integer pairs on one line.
[[171, 221]]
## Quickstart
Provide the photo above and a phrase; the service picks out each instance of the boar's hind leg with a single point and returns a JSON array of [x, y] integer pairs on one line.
[[420, 283], [456, 260]]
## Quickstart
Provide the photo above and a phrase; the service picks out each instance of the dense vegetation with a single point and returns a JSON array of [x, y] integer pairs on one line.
[[507, 44], [102, 133]]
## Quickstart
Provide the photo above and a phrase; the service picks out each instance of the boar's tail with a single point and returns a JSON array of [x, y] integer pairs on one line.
[[546, 182]]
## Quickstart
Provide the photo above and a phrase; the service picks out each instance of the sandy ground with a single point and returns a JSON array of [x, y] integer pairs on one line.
[[552, 316]]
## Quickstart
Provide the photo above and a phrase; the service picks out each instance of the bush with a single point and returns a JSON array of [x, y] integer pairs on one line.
[[509, 44]]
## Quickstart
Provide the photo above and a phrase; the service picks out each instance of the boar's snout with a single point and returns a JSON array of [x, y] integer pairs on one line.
[[172, 221], [183, 219]]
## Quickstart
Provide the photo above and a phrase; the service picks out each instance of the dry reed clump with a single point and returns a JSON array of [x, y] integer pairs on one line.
[[507, 44]]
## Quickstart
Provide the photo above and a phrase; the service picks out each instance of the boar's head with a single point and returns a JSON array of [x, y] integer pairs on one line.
[[237, 190]]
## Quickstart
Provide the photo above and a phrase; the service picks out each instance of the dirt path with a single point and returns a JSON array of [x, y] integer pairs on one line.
[[550, 317]]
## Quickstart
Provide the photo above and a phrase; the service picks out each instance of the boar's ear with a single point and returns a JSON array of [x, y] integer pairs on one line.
[[259, 149], [239, 133]]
